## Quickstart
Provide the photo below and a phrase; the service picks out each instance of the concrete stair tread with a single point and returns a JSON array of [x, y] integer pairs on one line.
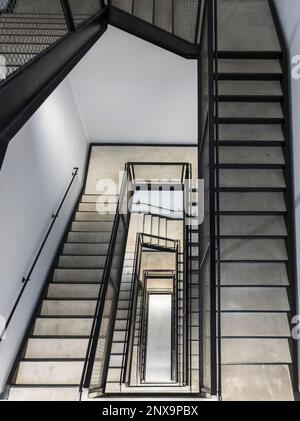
[[95, 227], [89, 237], [252, 21], [251, 155], [257, 383], [94, 198], [251, 132], [249, 249], [252, 201], [58, 307], [249, 66], [73, 290], [260, 274], [95, 217], [253, 350], [249, 225], [83, 262], [49, 372], [19, 393], [255, 325], [62, 326], [252, 178], [250, 110], [254, 299], [56, 348], [77, 275], [250, 88], [85, 249]]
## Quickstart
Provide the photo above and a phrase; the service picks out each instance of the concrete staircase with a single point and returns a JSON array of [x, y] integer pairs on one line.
[[256, 289], [50, 364]]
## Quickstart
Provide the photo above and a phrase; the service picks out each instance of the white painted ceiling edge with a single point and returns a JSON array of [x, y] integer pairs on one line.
[[129, 90]]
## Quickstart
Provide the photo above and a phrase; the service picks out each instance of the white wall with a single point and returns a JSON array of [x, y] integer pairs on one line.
[[289, 13], [34, 176], [129, 90]]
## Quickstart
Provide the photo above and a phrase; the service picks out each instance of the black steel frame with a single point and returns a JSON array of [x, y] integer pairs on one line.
[[289, 175]]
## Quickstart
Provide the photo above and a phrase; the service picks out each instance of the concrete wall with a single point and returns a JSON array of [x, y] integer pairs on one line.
[[36, 171], [129, 90], [289, 13]]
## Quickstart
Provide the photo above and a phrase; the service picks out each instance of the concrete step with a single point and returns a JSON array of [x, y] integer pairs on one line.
[[43, 394], [98, 198], [261, 274], [92, 227], [85, 249], [254, 299], [93, 207], [249, 66], [78, 275], [94, 217], [57, 290], [256, 383], [89, 237], [246, 25], [68, 308], [49, 372], [252, 178], [252, 202], [255, 324], [250, 225], [256, 351], [62, 327], [249, 249], [251, 155], [251, 132], [56, 348], [249, 88], [250, 110], [85, 262]]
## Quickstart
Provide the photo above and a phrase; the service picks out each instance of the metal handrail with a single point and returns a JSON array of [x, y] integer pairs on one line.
[[26, 279]]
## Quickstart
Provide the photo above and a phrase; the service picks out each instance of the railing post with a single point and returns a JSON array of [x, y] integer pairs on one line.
[[65, 4], [212, 199]]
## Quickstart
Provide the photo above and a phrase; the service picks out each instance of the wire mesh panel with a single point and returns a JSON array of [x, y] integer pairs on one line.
[[83, 10], [163, 15], [179, 17], [29, 27], [144, 10], [185, 19]]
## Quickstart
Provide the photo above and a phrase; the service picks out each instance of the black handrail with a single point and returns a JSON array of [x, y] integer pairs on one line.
[[26, 279]]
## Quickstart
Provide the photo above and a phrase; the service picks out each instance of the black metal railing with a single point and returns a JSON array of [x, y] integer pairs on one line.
[[98, 351], [143, 241], [180, 18], [26, 279], [29, 27], [209, 238]]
